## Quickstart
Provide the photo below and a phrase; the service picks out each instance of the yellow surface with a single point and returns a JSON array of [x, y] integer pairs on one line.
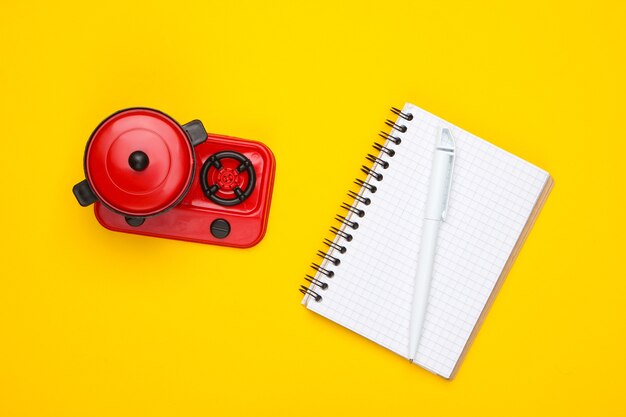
[[97, 323]]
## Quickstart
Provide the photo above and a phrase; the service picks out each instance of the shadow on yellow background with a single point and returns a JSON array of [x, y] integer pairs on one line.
[[96, 323]]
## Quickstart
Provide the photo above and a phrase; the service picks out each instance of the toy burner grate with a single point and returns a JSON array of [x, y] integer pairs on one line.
[[227, 178]]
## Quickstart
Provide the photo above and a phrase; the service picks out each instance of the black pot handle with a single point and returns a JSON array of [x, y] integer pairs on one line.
[[84, 194], [195, 132]]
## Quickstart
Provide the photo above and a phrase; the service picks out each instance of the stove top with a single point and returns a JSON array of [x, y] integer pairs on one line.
[[228, 202]]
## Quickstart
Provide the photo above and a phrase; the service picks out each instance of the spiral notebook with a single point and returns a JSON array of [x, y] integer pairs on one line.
[[363, 279]]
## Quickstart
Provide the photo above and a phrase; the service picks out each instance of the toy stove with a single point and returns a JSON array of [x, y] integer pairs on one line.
[[148, 175]]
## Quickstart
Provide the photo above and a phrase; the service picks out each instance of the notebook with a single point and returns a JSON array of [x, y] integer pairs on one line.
[[363, 278]]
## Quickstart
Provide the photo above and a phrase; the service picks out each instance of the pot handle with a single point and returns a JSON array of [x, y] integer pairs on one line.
[[195, 132], [84, 194]]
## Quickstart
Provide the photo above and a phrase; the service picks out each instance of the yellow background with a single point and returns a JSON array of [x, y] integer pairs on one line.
[[97, 323]]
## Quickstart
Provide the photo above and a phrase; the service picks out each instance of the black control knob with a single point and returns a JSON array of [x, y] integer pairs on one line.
[[135, 221], [220, 228]]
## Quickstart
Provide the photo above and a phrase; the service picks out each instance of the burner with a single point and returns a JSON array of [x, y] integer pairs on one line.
[[223, 176]]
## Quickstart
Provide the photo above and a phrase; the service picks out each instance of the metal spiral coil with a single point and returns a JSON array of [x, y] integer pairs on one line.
[[330, 257], [321, 270], [351, 209], [375, 160], [341, 233], [363, 200], [384, 149], [387, 136], [371, 188], [316, 281], [395, 126], [406, 116], [376, 175], [344, 220], [307, 291], [333, 245]]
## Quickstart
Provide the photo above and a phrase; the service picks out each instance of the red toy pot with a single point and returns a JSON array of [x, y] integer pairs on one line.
[[139, 162]]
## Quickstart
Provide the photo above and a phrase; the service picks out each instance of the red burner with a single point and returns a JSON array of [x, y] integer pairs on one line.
[[228, 178], [226, 201]]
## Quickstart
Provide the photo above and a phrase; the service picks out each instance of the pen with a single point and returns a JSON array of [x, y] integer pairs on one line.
[[434, 213]]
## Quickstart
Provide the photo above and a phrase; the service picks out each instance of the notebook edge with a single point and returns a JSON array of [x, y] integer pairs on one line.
[[539, 204]]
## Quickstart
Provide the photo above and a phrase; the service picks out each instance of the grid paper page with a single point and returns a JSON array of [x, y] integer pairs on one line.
[[493, 194]]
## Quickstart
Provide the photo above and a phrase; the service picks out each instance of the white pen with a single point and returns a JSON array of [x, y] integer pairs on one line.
[[434, 213]]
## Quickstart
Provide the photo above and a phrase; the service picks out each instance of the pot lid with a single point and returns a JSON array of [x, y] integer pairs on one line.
[[139, 162]]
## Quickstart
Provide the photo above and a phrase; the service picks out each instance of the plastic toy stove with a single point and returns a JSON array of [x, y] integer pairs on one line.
[[148, 175]]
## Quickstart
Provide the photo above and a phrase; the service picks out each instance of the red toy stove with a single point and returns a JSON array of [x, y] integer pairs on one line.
[[149, 175]]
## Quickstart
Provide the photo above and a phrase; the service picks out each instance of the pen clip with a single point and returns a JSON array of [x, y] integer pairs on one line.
[[447, 144]]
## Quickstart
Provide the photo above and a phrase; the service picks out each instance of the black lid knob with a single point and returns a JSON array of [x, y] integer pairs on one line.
[[138, 160]]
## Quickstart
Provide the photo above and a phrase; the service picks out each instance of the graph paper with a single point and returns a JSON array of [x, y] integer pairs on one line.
[[492, 197]]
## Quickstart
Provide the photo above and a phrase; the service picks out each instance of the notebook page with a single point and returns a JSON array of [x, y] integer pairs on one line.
[[493, 194]]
